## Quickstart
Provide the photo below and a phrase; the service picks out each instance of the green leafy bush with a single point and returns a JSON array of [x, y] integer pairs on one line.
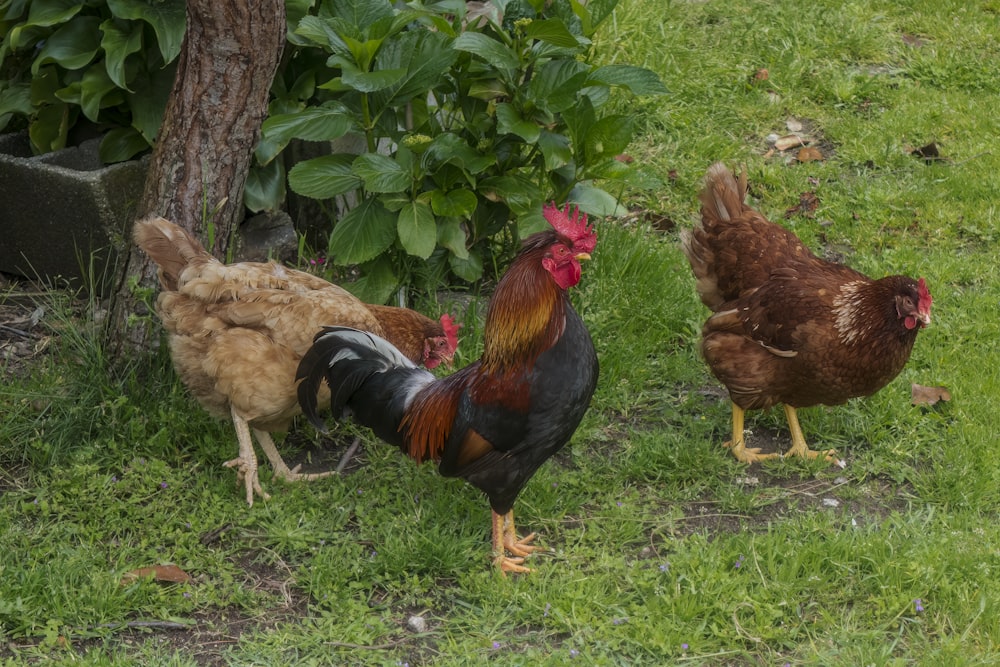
[[109, 62], [471, 116]]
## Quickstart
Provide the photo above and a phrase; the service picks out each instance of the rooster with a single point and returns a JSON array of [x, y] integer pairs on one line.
[[789, 327], [237, 333], [494, 422]]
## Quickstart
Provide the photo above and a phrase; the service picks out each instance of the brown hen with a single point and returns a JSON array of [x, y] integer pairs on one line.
[[789, 327]]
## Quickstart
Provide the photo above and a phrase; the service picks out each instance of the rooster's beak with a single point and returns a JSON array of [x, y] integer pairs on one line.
[[582, 256]]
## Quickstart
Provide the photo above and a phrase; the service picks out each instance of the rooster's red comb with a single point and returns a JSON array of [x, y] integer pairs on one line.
[[923, 297], [572, 226], [450, 331]]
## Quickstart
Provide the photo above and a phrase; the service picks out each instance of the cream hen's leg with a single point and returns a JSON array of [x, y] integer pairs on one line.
[[505, 539], [738, 444], [799, 446], [281, 469], [246, 463]]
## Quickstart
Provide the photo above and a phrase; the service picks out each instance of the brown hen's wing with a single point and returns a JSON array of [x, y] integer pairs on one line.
[[734, 248]]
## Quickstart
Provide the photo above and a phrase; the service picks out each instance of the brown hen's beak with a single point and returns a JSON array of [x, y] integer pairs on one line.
[[582, 256], [924, 318]]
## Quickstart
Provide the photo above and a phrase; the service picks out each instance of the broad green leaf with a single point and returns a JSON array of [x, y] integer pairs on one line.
[[639, 80], [557, 83], [450, 235], [265, 187], [469, 268], [555, 149], [592, 13], [509, 122], [552, 31], [532, 221], [359, 14], [49, 128], [449, 148], [149, 99], [119, 41], [52, 12], [607, 137], [72, 46], [94, 86], [322, 32], [364, 233], [324, 177], [167, 17], [460, 203], [15, 100], [417, 229], [310, 124], [120, 144], [493, 52], [519, 193], [380, 173], [377, 282], [595, 201], [424, 56], [369, 82]]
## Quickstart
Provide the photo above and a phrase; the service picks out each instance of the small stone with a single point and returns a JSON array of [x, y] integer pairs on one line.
[[831, 502], [416, 624]]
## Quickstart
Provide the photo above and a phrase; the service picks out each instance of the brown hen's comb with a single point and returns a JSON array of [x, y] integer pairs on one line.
[[574, 228], [923, 297]]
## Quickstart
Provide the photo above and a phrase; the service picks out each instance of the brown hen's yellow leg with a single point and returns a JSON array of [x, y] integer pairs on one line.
[[281, 469], [500, 558], [738, 444], [799, 446], [246, 462]]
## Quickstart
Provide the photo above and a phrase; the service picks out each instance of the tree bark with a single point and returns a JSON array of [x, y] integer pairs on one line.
[[205, 145]]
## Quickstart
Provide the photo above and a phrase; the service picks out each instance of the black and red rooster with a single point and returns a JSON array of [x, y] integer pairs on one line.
[[494, 422]]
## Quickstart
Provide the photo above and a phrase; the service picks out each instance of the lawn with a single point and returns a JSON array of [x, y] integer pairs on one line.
[[661, 548]]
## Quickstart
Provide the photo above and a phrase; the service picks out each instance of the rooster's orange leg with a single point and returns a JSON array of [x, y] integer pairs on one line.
[[799, 446], [500, 545], [246, 462], [281, 469], [738, 444]]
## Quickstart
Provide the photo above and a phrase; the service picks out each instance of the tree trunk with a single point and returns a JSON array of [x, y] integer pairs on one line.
[[205, 144]]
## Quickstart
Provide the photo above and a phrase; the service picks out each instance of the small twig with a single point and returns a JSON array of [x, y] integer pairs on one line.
[[348, 455], [366, 647], [156, 625], [739, 628], [17, 332]]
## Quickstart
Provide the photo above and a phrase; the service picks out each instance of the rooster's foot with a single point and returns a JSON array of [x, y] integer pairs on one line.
[[510, 564]]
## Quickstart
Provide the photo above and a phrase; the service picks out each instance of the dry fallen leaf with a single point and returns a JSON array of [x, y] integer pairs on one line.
[[809, 154], [790, 141], [921, 395], [928, 153], [808, 202], [163, 573], [761, 75]]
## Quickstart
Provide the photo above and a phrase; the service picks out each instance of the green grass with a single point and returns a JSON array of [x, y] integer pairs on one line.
[[646, 516]]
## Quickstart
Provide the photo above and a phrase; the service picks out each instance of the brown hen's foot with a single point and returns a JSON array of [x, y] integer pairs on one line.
[[799, 446], [738, 445], [505, 540], [748, 454]]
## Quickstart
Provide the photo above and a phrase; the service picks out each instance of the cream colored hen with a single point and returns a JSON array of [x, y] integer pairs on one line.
[[238, 331]]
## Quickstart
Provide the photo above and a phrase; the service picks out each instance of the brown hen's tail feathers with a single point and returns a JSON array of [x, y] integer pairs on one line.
[[170, 246], [722, 197]]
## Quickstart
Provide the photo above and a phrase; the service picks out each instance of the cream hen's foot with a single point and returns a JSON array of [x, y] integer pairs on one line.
[[281, 469], [246, 463]]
